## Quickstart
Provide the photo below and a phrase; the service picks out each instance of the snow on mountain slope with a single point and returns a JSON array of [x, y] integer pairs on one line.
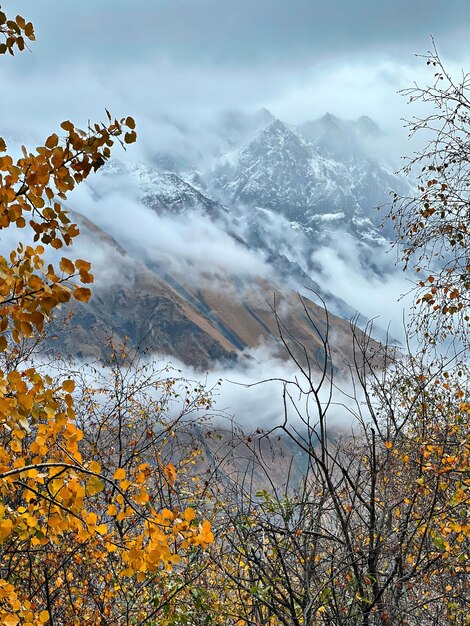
[[164, 192], [276, 214], [319, 184]]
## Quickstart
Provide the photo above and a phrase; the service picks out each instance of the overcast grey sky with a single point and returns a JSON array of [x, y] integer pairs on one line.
[[300, 58], [237, 33]]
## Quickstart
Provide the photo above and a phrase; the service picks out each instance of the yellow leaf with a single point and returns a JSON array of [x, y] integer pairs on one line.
[[130, 137], [56, 243], [95, 467], [91, 518], [170, 473], [80, 264], [52, 141], [142, 497], [119, 474], [130, 122], [128, 572], [86, 277], [189, 514], [94, 485], [6, 527], [68, 386]]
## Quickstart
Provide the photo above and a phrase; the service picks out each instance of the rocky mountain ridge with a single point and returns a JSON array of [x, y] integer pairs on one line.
[[317, 176], [274, 198]]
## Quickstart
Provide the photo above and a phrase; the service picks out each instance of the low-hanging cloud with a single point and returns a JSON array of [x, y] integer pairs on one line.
[[368, 279], [248, 394], [190, 245], [383, 296]]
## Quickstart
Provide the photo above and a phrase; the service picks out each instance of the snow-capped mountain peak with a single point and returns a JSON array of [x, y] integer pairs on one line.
[[164, 192], [310, 175]]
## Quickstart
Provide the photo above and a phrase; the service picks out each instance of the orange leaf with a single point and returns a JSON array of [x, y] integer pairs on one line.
[[189, 514], [66, 266], [82, 294], [68, 386], [67, 126], [170, 473]]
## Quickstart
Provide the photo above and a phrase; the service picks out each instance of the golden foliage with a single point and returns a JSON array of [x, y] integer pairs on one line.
[[57, 506]]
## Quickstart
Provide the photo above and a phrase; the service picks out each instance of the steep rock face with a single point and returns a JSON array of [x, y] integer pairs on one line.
[[165, 192], [321, 179], [276, 171], [156, 319]]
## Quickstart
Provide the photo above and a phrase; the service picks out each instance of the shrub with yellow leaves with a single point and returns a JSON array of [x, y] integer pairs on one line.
[[54, 528]]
